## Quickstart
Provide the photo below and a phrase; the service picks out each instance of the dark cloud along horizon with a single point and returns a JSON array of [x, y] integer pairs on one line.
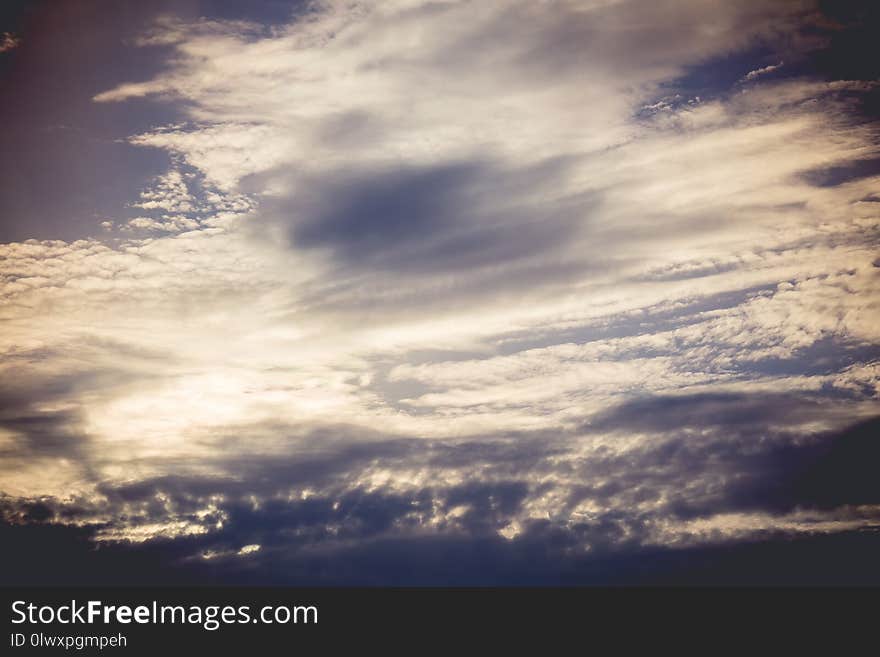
[[443, 293], [343, 523]]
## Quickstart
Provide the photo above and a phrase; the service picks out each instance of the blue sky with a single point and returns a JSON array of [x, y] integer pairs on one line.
[[505, 291]]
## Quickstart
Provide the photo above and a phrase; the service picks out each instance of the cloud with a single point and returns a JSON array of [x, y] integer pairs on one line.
[[565, 502], [423, 276], [8, 41], [764, 70]]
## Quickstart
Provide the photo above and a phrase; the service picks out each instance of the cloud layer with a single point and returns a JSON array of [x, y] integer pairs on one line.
[[511, 274]]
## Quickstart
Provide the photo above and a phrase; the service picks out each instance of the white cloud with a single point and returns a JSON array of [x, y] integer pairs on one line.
[[8, 41], [758, 72], [696, 254]]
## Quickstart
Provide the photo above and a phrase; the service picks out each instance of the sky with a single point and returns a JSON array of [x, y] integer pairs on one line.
[[439, 292]]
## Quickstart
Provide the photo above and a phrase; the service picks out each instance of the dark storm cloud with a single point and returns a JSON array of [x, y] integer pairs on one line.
[[361, 536], [723, 453], [711, 464], [338, 456], [63, 555]]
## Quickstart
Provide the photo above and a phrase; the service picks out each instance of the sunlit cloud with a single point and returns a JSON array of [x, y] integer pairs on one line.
[[8, 41], [459, 269]]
